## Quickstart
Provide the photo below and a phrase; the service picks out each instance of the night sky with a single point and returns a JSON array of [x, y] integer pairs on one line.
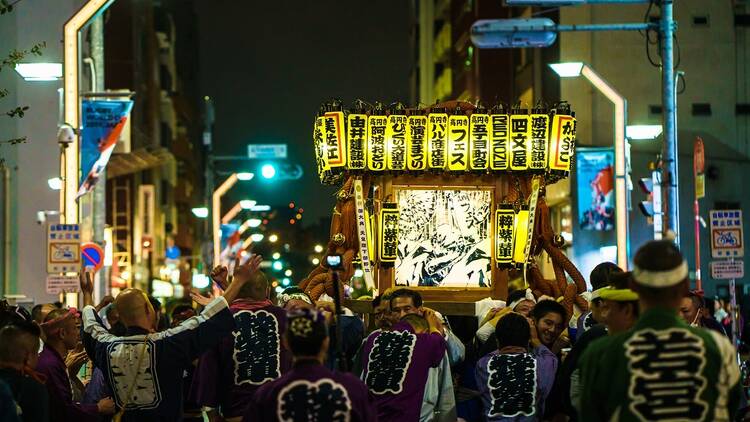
[[269, 65]]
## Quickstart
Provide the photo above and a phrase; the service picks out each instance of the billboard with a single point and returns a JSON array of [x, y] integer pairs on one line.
[[595, 186]]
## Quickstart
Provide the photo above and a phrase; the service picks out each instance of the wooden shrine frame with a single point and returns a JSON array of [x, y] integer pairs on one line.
[[385, 189]]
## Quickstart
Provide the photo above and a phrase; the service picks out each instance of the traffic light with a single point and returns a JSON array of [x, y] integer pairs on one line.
[[651, 207]]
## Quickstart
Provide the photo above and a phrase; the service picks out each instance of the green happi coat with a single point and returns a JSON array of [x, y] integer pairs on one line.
[[661, 369]]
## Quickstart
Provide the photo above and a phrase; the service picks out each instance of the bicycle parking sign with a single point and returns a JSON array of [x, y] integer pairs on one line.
[[63, 248], [726, 234]]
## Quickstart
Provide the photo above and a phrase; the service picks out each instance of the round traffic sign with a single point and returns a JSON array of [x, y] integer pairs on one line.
[[92, 256]]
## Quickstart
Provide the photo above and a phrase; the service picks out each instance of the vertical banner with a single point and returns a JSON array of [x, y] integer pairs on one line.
[[102, 125], [388, 233], [364, 234], [458, 143], [437, 125], [376, 127], [356, 141], [499, 132], [395, 137], [539, 135], [561, 144], [335, 149], [479, 142], [416, 143], [595, 188], [520, 235], [318, 130], [504, 227], [519, 142]]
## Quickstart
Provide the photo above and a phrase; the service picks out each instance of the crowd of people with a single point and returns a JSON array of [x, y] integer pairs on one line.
[[649, 349]]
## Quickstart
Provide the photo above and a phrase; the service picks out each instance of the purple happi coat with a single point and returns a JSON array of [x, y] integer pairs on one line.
[[515, 386], [310, 391], [396, 364], [228, 375], [62, 407]]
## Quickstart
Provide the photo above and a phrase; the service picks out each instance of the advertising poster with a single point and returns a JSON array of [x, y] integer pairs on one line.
[[595, 183], [103, 122]]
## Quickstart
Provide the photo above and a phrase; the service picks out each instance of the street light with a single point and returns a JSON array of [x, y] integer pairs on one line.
[[318, 248], [273, 238], [54, 183], [35, 72], [642, 132], [276, 255], [573, 69], [216, 209], [257, 237], [254, 222], [200, 212], [245, 176], [247, 204], [567, 70]]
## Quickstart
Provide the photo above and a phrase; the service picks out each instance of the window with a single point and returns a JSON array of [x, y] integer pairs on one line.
[[742, 20], [742, 109], [701, 109], [700, 21], [654, 109]]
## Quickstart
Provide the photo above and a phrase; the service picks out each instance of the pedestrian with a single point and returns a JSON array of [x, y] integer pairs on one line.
[[228, 374], [19, 345], [396, 363], [692, 311], [567, 382], [521, 301], [310, 391], [514, 381], [599, 279], [145, 369], [661, 369], [62, 337]]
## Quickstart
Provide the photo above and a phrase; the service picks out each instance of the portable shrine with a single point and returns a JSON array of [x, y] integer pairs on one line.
[[445, 199]]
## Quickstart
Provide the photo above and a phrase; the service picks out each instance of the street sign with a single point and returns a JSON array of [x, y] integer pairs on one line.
[[699, 166], [62, 283], [513, 33], [266, 151], [63, 248], [726, 234], [727, 269], [92, 255]]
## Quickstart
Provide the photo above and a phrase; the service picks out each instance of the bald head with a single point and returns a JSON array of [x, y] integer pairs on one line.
[[135, 309], [256, 288]]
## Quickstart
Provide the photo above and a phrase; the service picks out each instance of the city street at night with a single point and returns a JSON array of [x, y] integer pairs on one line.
[[402, 210]]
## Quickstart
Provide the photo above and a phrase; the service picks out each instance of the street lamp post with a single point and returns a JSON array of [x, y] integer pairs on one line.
[[216, 209], [566, 70]]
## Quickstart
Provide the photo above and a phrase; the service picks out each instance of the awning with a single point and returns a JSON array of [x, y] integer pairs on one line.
[[138, 160]]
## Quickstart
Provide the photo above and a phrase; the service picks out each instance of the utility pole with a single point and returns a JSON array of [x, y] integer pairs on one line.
[[99, 205], [669, 105], [208, 124]]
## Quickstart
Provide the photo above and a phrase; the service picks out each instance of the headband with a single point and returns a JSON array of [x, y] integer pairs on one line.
[[52, 326], [528, 296], [618, 295], [286, 297], [660, 279], [596, 294], [302, 322]]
